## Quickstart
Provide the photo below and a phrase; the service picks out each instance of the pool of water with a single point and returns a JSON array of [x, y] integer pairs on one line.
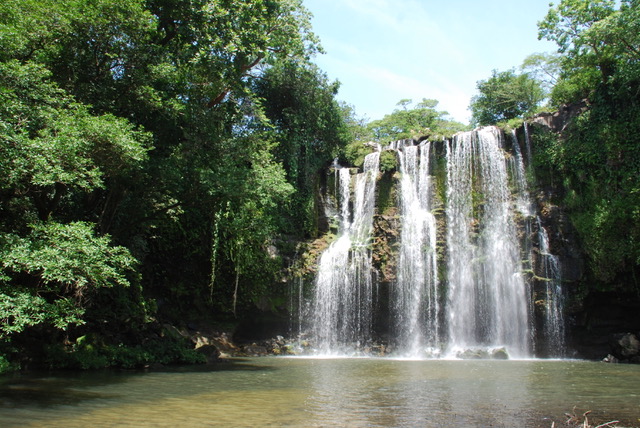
[[358, 392]]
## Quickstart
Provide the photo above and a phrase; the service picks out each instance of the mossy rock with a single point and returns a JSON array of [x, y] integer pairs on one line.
[[388, 161]]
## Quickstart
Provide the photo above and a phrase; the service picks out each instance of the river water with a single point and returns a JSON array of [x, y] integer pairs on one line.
[[359, 392]]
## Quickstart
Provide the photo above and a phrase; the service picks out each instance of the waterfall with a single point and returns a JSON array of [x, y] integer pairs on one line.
[[344, 289], [416, 300], [553, 297], [466, 238], [516, 163], [488, 300]]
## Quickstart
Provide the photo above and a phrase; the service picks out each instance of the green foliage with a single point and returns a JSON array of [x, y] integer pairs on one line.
[[356, 127], [598, 42], [598, 155], [21, 310], [189, 134], [388, 161], [355, 152], [67, 255], [48, 275], [504, 96], [88, 352], [309, 127], [5, 365], [51, 145], [569, 24], [408, 122], [598, 158], [543, 67]]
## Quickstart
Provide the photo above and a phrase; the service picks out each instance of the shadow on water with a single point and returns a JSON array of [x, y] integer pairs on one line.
[[60, 388], [235, 364]]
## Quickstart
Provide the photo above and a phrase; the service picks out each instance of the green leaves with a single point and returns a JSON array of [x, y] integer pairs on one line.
[[47, 275], [20, 310], [89, 87], [60, 139], [599, 42], [67, 256], [504, 96], [569, 24], [407, 122], [51, 145]]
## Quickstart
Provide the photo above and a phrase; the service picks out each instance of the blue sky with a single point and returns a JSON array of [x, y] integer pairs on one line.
[[383, 51]]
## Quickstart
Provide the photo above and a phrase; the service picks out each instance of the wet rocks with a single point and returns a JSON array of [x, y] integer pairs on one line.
[[211, 353], [483, 354], [274, 346], [625, 347]]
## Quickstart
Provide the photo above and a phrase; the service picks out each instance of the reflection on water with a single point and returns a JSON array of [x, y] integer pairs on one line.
[[328, 392]]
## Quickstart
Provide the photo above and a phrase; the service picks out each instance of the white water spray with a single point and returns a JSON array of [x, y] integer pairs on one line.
[[488, 299], [416, 297], [342, 311]]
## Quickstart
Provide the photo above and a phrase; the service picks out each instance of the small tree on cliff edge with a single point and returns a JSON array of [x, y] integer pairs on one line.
[[505, 95]]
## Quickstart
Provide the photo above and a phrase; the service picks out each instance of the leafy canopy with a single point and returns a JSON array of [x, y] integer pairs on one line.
[[598, 42], [598, 155], [504, 96], [408, 122], [48, 274]]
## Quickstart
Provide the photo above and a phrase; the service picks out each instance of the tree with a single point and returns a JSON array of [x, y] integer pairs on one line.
[[544, 67], [408, 122], [50, 275], [597, 42], [309, 127], [52, 145], [137, 122], [53, 151], [598, 154], [504, 96]]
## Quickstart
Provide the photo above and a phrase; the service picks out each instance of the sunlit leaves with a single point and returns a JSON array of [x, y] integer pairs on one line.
[[599, 43], [67, 255], [20, 310], [407, 122], [47, 139], [504, 96], [47, 275]]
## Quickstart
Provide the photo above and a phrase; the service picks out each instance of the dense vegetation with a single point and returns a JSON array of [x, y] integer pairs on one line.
[[159, 157], [596, 159], [420, 121], [151, 152]]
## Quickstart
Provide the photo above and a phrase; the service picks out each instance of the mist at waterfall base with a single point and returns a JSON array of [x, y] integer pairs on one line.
[[469, 246]]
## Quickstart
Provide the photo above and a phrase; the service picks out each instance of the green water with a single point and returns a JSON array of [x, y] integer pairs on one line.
[[328, 392]]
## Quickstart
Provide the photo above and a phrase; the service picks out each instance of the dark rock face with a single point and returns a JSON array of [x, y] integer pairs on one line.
[[558, 120], [563, 239], [261, 326], [601, 321], [625, 347], [211, 352]]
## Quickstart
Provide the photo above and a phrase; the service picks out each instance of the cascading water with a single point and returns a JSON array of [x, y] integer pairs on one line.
[[482, 300], [488, 299], [554, 301], [416, 297], [344, 289], [516, 163]]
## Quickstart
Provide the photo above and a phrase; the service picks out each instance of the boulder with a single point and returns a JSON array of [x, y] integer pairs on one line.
[[210, 352], [500, 354], [255, 350], [625, 346]]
